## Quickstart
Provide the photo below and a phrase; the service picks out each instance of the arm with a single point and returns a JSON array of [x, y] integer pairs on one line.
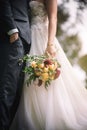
[[51, 6], [6, 17]]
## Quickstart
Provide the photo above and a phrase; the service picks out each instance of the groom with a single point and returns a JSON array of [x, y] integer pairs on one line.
[[14, 43]]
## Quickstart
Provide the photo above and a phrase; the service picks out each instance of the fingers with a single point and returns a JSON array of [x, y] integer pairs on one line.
[[14, 37], [53, 54], [49, 53], [51, 50]]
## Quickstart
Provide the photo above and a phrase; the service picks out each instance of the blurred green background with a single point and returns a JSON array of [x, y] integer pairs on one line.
[[72, 33]]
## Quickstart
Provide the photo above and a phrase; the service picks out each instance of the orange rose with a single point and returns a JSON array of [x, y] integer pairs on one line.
[[52, 67], [44, 76], [45, 69], [41, 65], [33, 64]]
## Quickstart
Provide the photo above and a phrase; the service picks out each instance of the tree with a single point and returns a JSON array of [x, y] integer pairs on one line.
[[70, 43], [83, 64]]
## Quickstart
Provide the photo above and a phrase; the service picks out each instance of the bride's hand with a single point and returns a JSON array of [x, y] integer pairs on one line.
[[51, 49]]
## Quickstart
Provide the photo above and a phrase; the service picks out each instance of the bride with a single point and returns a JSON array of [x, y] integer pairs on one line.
[[64, 105]]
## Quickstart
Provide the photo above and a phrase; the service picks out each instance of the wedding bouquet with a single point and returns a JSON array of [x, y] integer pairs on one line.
[[44, 68]]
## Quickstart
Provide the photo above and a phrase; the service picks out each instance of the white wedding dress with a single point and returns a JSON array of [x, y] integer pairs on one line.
[[64, 105]]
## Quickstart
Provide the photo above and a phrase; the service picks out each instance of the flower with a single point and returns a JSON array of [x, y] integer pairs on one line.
[[47, 62], [33, 64], [57, 73], [43, 68], [46, 69]]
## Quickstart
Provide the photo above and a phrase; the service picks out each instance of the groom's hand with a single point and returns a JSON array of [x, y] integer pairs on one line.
[[14, 37]]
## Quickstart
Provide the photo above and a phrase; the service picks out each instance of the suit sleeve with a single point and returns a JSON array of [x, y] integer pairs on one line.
[[6, 15]]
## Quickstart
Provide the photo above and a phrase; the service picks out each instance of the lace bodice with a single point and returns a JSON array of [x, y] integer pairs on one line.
[[38, 13]]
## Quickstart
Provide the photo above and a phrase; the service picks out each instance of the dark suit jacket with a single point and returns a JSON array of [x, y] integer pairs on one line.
[[14, 14]]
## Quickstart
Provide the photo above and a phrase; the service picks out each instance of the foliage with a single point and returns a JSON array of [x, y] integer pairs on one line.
[[70, 43], [62, 18], [82, 4], [83, 62], [71, 46]]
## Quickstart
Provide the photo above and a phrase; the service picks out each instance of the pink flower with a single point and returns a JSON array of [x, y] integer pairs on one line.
[[48, 62], [57, 73]]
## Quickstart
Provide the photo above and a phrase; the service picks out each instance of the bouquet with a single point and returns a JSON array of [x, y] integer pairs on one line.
[[44, 68]]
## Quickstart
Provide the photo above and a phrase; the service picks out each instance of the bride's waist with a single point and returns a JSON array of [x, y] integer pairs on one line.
[[39, 21]]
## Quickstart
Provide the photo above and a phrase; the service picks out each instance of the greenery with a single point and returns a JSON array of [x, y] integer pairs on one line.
[[83, 64], [70, 42]]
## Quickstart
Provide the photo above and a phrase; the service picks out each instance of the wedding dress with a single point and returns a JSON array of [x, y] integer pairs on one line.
[[63, 106]]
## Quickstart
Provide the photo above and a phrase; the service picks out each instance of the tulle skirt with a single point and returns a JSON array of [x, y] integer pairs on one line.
[[63, 106]]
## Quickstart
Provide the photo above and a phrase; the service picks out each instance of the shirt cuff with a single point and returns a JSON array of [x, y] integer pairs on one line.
[[13, 31]]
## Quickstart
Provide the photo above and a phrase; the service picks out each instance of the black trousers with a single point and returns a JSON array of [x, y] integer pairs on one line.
[[11, 79]]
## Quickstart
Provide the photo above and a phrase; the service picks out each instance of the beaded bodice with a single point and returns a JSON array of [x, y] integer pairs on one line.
[[38, 13]]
